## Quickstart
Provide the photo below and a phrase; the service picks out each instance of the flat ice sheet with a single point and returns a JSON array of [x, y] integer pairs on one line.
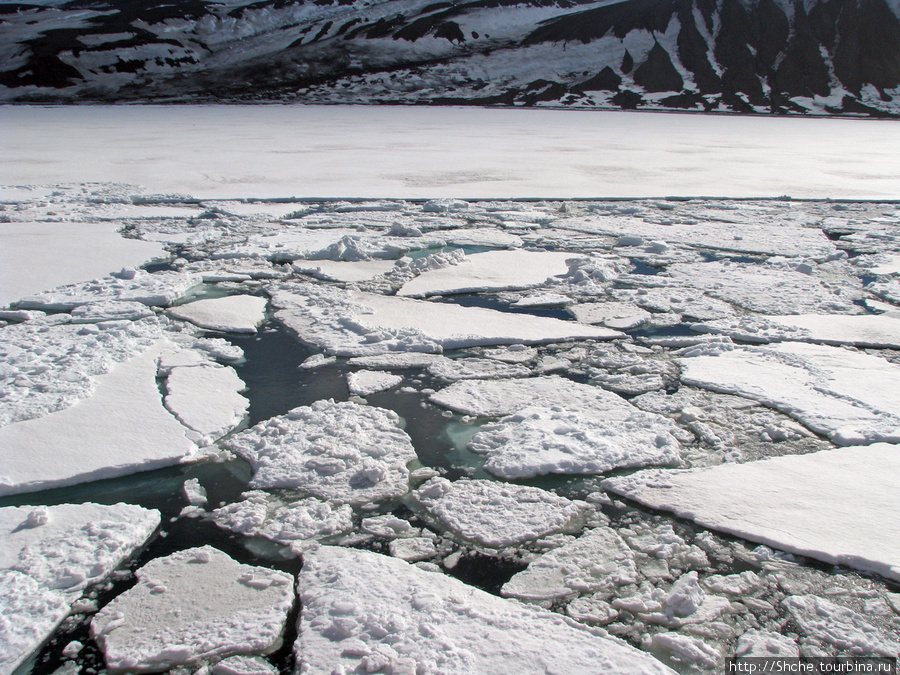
[[851, 397], [362, 610], [337, 151], [838, 506], [232, 313], [491, 271], [864, 330], [122, 428], [39, 256]]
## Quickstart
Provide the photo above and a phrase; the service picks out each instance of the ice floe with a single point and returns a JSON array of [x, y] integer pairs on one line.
[[121, 429], [349, 272], [849, 396], [491, 271], [618, 315], [863, 330], [46, 366], [497, 514], [230, 314], [353, 323], [292, 523], [206, 398], [536, 441], [160, 289], [192, 605], [495, 398], [364, 611], [342, 452], [817, 505], [48, 556], [599, 560], [367, 382], [830, 623], [475, 368]]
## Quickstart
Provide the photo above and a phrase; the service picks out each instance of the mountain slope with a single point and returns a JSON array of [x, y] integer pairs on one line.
[[779, 56]]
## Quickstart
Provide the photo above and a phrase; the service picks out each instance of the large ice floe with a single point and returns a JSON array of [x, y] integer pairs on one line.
[[231, 314], [192, 605], [866, 330], [48, 556], [367, 612], [849, 396], [819, 505], [121, 429], [344, 452], [353, 323]]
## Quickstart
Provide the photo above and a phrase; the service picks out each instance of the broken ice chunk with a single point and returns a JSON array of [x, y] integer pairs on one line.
[[342, 452], [497, 514], [231, 314], [206, 398], [212, 607], [368, 612], [368, 382]]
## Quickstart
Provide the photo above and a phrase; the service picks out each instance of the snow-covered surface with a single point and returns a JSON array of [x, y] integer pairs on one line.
[[495, 398], [598, 560], [332, 270], [365, 611], [193, 604], [48, 555], [537, 441], [819, 505], [343, 452], [35, 256], [231, 314], [491, 271], [122, 428], [849, 396], [274, 151], [206, 398], [497, 514], [353, 323], [865, 330], [367, 382]]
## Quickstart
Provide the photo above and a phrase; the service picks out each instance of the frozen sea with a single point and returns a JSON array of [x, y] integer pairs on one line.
[[320, 390]]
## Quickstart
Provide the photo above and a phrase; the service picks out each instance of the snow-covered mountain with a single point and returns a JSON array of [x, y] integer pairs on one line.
[[782, 56]]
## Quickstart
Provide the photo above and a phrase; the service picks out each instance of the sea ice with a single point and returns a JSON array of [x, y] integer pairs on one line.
[[599, 560], [495, 398], [536, 441], [497, 514], [159, 289], [367, 382], [47, 366], [231, 314], [395, 360], [833, 624], [192, 605], [48, 555], [206, 399], [244, 665], [352, 323], [762, 644], [817, 505], [123, 428], [849, 396], [348, 272], [863, 330], [491, 271], [475, 368], [618, 315], [35, 256], [342, 452], [368, 612]]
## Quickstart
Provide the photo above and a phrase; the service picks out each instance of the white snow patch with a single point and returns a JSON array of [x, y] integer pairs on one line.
[[817, 505]]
